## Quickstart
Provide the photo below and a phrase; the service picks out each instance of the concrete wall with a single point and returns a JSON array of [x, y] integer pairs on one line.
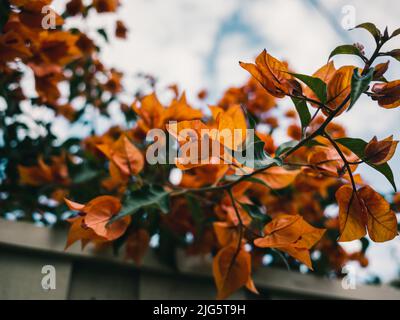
[[25, 249]]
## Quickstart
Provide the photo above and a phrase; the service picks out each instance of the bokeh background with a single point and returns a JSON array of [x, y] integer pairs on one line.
[[197, 44]]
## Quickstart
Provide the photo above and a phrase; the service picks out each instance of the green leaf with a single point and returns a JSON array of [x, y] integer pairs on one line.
[[196, 212], [255, 212], [395, 33], [261, 158], [346, 49], [357, 146], [394, 54], [372, 29], [285, 147], [147, 197], [359, 84], [315, 84], [4, 13], [85, 174], [302, 110], [257, 180], [364, 244], [103, 33], [386, 171]]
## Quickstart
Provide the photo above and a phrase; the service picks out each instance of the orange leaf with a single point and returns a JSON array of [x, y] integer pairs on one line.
[[278, 177], [79, 231], [291, 234], [137, 245], [226, 233], [231, 125], [125, 155], [192, 136], [364, 209], [379, 152], [97, 214], [351, 215], [387, 94], [382, 222], [231, 271], [325, 73], [150, 113], [339, 87], [272, 74], [180, 110]]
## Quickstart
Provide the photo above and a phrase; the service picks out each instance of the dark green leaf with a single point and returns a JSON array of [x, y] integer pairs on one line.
[[147, 197], [386, 171], [394, 54], [285, 147], [315, 84], [372, 29], [364, 244], [196, 212], [261, 158], [357, 146], [257, 180], [359, 84], [395, 33], [4, 13], [85, 174], [302, 110], [255, 212], [346, 49], [103, 33]]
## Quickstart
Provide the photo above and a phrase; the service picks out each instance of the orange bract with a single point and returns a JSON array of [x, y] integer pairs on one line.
[[291, 234], [137, 245], [202, 144], [123, 155], [365, 209], [153, 115], [93, 223], [43, 174], [226, 233], [387, 94], [231, 125], [338, 85], [379, 152], [273, 75], [105, 5], [232, 270], [57, 47], [278, 177]]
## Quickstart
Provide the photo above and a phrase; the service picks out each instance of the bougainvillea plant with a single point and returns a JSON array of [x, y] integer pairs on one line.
[[235, 212]]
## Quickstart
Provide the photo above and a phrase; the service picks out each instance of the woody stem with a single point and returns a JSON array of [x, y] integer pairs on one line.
[[346, 163], [240, 228]]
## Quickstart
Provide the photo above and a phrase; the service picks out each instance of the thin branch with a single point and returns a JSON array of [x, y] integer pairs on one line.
[[239, 245], [346, 163]]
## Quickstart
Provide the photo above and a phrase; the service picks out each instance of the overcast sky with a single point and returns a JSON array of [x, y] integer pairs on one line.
[[198, 43]]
